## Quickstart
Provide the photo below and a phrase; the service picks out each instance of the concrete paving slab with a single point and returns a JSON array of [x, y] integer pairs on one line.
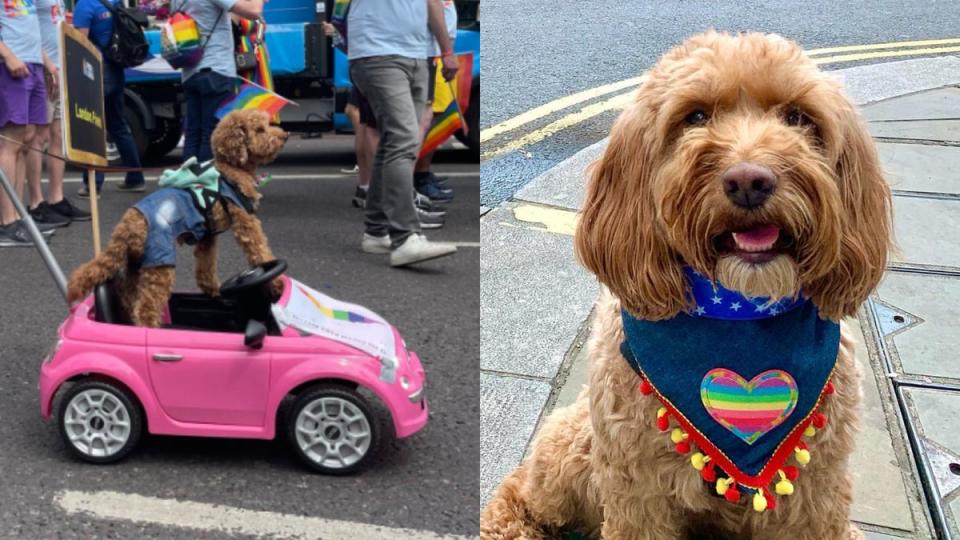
[[947, 131], [577, 378], [915, 221], [930, 347], [509, 410], [921, 167], [534, 296], [879, 494], [885, 80], [939, 103], [881, 536], [564, 184]]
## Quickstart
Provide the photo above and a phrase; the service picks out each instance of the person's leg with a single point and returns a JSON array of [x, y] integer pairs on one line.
[[20, 183], [34, 164], [367, 143], [388, 84], [191, 128], [9, 150], [217, 89], [55, 166], [118, 128]]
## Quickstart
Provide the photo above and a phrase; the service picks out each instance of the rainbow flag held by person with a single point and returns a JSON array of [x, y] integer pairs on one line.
[[451, 99], [252, 96], [444, 125]]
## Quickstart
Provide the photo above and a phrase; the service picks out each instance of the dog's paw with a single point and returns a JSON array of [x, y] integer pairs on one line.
[[277, 287]]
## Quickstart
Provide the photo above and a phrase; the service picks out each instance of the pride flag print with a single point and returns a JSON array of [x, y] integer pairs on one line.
[[749, 409], [252, 96], [336, 314]]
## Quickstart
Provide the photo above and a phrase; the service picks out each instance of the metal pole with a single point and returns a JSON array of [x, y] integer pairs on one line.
[[38, 240]]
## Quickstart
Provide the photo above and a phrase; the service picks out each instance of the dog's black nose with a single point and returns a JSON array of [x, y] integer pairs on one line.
[[749, 185]]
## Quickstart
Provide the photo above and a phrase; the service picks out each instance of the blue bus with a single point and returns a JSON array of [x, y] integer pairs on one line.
[[306, 68]]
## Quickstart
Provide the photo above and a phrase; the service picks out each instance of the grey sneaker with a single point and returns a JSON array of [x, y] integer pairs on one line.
[[375, 244], [424, 204], [16, 235], [359, 198], [132, 188], [416, 248]]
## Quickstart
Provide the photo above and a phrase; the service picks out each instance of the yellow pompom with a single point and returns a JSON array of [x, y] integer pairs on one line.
[[723, 485], [677, 435], [784, 487], [810, 431], [803, 456], [661, 411], [759, 502], [698, 460]]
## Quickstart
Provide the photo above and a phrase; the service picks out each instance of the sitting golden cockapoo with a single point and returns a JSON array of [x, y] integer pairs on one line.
[[738, 214], [143, 244]]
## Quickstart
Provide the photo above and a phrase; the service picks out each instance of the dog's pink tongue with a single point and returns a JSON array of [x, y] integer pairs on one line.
[[757, 239]]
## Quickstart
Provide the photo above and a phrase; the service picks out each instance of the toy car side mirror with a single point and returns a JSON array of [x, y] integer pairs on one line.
[[254, 334]]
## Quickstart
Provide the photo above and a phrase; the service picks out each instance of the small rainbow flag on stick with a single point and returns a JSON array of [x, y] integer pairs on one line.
[[444, 125], [452, 98], [252, 96]]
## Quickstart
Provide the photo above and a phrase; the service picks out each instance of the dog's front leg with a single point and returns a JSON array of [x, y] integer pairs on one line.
[[250, 236], [632, 517], [205, 255], [155, 286]]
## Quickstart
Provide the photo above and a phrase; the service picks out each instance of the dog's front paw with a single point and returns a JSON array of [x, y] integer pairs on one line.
[[277, 287]]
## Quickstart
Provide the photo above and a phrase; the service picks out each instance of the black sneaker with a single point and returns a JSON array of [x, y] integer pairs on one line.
[[359, 198], [428, 221], [44, 213], [67, 209], [132, 188], [423, 203]]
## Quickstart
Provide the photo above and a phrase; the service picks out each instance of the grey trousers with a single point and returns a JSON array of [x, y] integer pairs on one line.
[[396, 88]]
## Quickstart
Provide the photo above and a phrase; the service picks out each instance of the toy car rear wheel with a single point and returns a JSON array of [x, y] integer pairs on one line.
[[99, 421], [333, 429]]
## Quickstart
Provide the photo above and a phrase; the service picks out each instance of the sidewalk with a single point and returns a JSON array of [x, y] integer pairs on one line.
[[536, 305]]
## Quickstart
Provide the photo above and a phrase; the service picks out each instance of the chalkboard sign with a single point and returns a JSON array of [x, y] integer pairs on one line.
[[81, 82]]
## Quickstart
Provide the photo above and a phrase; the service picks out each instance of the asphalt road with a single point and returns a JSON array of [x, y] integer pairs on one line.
[[428, 482], [537, 51]]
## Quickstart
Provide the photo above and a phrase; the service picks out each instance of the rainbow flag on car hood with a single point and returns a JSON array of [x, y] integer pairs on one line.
[[252, 96]]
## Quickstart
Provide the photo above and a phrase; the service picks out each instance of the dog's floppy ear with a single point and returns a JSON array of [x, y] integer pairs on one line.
[[229, 140], [617, 236], [866, 221]]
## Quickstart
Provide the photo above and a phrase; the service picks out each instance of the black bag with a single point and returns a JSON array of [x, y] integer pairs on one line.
[[128, 46]]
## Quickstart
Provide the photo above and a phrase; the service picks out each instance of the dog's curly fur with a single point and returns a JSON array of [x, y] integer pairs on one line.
[[241, 141], [656, 202]]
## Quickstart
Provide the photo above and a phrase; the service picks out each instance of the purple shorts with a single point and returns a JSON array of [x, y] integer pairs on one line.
[[23, 101]]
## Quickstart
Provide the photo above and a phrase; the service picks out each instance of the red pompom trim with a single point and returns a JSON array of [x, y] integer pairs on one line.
[[663, 423], [645, 387], [819, 420], [709, 472], [828, 389], [732, 494], [792, 472], [683, 447], [771, 500]]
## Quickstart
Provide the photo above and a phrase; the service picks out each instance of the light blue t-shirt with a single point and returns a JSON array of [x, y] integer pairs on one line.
[[388, 27], [218, 53], [50, 13], [20, 30]]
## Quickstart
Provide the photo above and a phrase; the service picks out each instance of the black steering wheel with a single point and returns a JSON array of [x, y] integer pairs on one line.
[[258, 277]]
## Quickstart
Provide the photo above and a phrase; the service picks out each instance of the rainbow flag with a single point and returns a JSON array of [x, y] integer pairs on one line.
[[252, 96], [444, 125], [336, 314], [451, 98]]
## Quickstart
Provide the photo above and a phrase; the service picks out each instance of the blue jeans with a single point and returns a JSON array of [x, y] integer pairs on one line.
[[117, 128], [205, 92]]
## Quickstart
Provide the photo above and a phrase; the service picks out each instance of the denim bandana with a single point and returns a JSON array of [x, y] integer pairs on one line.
[[741, 378]]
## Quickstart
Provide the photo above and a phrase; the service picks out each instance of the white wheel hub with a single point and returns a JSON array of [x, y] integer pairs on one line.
[[333, 432], [97, 423]]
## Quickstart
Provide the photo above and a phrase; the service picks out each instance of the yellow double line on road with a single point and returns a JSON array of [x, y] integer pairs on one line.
[[829, 55]]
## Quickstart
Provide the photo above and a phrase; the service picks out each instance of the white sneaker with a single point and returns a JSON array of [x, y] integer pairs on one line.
[[416, 248], [375, 244]]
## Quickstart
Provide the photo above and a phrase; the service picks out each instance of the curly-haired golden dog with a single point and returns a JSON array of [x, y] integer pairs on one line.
[[727, 134], [241, 141]]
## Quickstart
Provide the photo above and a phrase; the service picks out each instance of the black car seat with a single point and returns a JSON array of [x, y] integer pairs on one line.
[[106, 304]]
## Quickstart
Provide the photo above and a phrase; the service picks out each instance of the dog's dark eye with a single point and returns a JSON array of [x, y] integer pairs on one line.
[[260, 130], [796, 117], [697, 118]]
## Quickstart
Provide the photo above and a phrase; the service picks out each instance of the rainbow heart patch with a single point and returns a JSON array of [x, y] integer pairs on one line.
[[751, 408]]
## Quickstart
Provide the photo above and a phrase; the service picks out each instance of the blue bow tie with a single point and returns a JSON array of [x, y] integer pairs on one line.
[[714, 301]]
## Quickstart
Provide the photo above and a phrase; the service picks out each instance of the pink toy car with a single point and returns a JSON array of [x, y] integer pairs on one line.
[[235, 366]]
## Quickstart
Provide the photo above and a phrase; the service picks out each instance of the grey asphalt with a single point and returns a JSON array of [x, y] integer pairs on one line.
[[544, 50], [428, 482]]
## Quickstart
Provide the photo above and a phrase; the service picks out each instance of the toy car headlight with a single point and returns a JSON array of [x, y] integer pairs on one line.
[[53, 351]]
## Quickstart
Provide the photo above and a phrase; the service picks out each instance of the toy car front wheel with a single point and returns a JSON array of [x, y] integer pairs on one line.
[[99, 421], [333, 430]]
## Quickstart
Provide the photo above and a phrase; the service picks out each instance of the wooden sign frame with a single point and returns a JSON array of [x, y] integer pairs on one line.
[[70, 36]]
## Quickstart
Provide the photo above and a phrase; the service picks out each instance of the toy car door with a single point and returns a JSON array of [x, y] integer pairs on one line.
[[208, 377]]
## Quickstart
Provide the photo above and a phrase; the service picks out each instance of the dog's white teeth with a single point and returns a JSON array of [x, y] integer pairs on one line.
[[751, 245]]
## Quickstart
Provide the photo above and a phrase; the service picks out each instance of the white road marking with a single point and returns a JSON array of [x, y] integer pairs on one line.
[[226, 519], [465, 244], [72, 179]]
